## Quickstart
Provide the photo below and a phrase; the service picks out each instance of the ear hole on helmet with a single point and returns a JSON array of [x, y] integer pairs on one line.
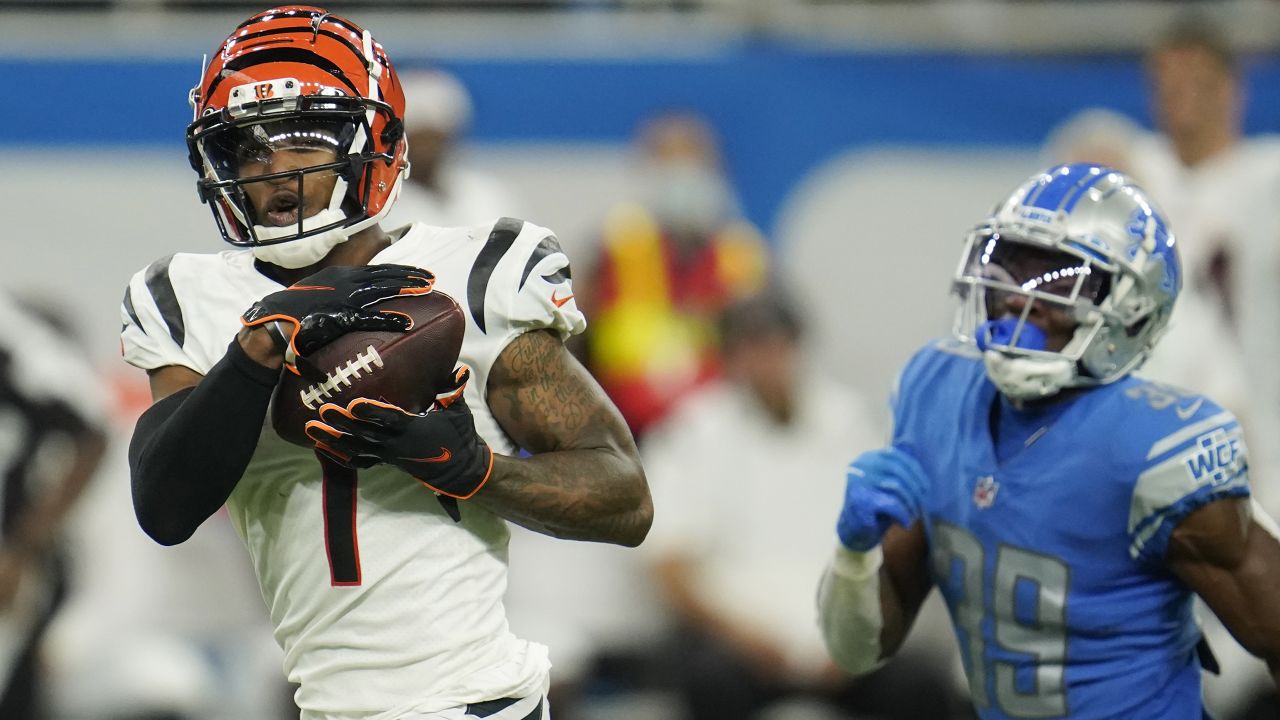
[[1137, 327], [392, 133]]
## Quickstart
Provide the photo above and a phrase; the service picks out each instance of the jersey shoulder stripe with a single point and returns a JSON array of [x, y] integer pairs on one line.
[[501, 238], [1193, 453], [1179, 437], [548, 246], [185, 308], [129, 309], [161, 288]]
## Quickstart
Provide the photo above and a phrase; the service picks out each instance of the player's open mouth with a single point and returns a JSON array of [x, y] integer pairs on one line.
[[282, 210]]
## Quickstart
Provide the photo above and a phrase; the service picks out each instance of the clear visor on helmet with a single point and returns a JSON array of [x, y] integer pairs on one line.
[[287, 145], [1001, 279], [278, 173]]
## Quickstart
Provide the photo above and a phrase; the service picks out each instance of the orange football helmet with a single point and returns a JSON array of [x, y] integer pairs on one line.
[[294, 77]]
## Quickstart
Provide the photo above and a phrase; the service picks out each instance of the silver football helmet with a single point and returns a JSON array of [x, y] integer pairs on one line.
[[1082, 240]]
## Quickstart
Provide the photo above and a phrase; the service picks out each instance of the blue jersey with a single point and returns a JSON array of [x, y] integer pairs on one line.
[[1049, 552]]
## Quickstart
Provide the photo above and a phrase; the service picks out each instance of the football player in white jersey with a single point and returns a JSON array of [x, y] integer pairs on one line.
[[53, 434], [385, 595]]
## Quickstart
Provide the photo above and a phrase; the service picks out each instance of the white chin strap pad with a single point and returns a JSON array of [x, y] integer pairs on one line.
[[303, 251], [1023, 378]]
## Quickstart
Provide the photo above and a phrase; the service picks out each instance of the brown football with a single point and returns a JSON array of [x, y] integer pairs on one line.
[[407, 369]]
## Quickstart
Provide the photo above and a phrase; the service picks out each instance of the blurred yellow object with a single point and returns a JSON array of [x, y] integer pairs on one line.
[[652, 335]]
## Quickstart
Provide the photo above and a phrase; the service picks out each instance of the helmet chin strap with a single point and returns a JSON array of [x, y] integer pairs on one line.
[[303, 251], [1022, 378]]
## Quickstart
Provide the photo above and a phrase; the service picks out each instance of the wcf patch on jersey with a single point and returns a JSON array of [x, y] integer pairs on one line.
[[1218, 458]]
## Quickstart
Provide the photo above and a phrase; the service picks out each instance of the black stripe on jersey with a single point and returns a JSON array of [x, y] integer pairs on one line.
[[548, 246], [500, 240], [161, 288], [490, 708], [128, 307]]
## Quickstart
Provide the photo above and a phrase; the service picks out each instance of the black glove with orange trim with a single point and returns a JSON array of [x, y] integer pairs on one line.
[[321, 307], [440, 447]]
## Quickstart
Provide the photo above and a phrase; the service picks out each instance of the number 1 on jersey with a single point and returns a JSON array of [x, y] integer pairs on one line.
[[341, 546]]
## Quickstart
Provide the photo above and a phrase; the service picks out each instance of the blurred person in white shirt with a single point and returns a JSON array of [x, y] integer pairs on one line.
[[1192, 354], [743, 471], [441, 190], [1218, 188]]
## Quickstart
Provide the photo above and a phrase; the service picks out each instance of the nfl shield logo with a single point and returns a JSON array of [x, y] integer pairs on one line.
[[984, 493]]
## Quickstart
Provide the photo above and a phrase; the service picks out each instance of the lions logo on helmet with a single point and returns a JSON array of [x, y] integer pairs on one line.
[[1085, 240], [297, 78]]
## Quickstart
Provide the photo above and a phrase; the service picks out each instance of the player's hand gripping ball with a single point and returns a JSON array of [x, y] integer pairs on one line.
[[883, 487], [313, 311], [405, 367], [439, 447]]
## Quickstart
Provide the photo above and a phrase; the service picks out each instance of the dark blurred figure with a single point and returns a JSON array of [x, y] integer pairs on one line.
[[743, 470], [52, 437], [668, 263]]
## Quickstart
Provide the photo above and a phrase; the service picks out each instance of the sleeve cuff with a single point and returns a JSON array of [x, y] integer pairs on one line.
[[853, 565], [247, 366]]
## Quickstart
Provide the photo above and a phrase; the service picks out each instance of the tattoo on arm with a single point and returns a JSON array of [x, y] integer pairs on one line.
[[584, 480]]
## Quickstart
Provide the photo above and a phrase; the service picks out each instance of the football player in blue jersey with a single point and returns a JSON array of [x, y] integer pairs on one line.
[[1067, 510]]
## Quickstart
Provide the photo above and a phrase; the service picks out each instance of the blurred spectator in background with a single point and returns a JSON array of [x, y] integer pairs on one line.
[[1202, 165], [744, 471], [440, 191], [668, 264], [52, 438], [1218, 188], [1191, 355], [154, 633], [1094, 135]]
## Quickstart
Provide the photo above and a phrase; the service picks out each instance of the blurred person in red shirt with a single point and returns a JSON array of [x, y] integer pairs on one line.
[[669, 262]]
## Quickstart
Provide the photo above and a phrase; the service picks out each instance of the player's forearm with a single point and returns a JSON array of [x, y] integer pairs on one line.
[[586, 494], [190, 449]]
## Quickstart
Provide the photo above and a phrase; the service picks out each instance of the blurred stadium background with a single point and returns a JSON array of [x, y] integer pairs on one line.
[[860, 136], [863, 138]]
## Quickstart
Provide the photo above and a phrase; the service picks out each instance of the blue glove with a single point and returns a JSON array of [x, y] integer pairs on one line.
[[884, 486]]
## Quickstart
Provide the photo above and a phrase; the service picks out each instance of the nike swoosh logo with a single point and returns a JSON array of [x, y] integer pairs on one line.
[[442, 457], [559, 302], [1188, 411]]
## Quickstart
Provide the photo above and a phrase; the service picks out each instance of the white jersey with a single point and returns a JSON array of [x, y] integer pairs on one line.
[[424, 628]]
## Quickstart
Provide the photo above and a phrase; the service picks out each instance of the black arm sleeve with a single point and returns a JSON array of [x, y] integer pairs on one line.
[[189, 449]]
